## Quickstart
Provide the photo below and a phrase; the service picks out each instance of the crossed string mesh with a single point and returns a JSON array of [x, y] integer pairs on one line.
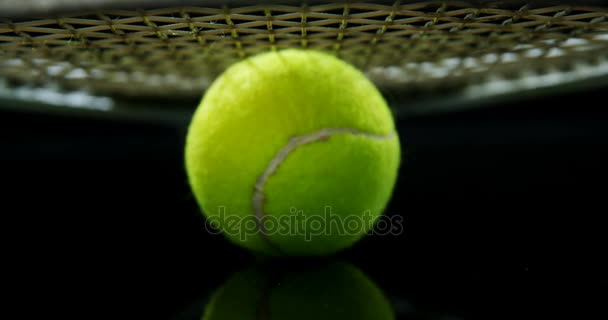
[[179, 50]]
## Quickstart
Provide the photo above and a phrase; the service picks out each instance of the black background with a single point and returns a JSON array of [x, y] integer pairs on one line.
[[504, 215]]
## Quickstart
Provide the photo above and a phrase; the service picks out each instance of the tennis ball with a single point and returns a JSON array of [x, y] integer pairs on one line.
[[293, 153], [332, 291]]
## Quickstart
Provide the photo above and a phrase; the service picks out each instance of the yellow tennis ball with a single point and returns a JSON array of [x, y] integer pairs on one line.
[[292, 153]]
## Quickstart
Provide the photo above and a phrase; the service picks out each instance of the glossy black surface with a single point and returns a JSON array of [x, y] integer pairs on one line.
[[504, 216]]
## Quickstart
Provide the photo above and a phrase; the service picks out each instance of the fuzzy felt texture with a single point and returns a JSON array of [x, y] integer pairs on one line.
[[253, 110]]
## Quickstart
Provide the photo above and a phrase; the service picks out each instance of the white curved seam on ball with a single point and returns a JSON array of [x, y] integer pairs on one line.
[[259, 197]]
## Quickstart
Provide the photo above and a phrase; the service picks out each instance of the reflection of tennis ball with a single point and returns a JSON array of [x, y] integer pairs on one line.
[[334, 291], [284, 141]]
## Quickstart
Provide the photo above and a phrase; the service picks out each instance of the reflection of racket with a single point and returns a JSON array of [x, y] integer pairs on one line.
[[155, 58]]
